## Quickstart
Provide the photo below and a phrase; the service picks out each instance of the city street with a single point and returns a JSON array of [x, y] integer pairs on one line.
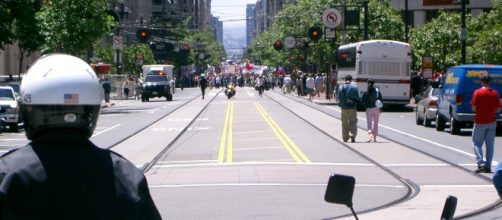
[[270, 157]]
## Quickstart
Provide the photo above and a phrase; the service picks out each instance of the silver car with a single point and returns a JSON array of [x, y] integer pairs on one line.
[[9, 107], [425, 112]]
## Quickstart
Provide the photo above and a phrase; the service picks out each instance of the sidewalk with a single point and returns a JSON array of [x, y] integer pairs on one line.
[[321, 99]]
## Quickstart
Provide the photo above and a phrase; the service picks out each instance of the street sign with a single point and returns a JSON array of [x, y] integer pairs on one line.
[[330, 33], [117, 42], [289, 42], [331, 18], [299, 42], [139, 58]]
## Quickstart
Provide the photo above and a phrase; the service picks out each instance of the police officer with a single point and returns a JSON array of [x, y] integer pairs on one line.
[[61, 174]]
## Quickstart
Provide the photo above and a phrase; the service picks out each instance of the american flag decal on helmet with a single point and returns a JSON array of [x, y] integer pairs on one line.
[[70, 98]]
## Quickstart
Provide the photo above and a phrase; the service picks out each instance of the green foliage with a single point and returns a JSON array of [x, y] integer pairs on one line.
[[26, 29], [6, 19], [435, 40], [73, 26], [129, 58], [485, 37], [440, 39], [206, 40], [295, 20], [384, 21]]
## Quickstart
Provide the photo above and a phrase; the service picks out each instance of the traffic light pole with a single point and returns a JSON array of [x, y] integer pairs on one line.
[[463, 33], [366, 14]]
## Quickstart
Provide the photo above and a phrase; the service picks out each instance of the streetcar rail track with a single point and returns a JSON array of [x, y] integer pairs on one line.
[[413, 188]]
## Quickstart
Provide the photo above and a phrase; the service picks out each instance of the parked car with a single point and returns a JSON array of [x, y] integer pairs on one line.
[[425, 112], [9, 107]]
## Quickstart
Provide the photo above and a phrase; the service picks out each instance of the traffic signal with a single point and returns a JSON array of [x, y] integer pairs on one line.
[[315, 33], [143, 35], [278, 45]]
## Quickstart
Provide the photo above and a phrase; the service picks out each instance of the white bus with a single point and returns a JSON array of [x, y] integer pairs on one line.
[[387, 62]]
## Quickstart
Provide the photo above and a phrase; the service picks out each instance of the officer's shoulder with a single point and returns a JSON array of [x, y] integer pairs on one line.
[[121, 160]]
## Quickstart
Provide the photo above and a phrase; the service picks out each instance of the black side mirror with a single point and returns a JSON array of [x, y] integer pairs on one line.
[[449, 208], [340, 190]]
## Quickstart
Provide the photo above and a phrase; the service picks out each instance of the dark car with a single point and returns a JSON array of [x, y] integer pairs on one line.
[[425, 112], [156, 84]]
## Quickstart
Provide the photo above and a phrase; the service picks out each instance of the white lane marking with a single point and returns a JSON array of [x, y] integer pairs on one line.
[[262, 184], [103, 131], [254, 163], [207, 163], [14, 139], [457, 186], [417, 165], [186, 161], [422, 139]]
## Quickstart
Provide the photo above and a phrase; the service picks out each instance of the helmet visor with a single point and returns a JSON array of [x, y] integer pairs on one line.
[[39, 118]]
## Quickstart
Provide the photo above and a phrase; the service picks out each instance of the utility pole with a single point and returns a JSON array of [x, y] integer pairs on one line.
[[406, 18], [463, 33], [366, 14]]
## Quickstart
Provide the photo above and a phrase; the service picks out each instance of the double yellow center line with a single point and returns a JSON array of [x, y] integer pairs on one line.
[[226, 136], [288, 144], [226, 142]]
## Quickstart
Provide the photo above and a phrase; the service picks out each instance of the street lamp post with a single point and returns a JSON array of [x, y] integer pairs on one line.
[[121, 11]]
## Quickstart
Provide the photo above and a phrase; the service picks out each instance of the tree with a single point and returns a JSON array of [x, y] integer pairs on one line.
[[26, 31], [295, 20], [73, 26], [6, 18], [129, 58], [484, 34], [438, 39]]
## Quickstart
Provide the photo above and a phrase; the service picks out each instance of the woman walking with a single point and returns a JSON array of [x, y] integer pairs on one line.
[[373, 109]]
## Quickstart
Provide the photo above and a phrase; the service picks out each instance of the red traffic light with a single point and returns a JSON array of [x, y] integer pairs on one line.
[[278, 45], [185, 47]]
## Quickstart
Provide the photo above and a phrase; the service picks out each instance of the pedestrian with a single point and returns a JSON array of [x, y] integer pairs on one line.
[[126, 88], [497, 179], [138, 88], [106, 89], [203, 84], [260, 84], [310, 84], [485, 103], [172, 85], [373, 110], [299, 85], [416, 85], [348, 94], [319, 85], [60, 173]]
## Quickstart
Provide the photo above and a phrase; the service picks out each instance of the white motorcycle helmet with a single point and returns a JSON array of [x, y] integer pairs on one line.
[[60, 98]]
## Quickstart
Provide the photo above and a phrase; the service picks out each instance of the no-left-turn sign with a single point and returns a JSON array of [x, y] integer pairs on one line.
[[331, 18]]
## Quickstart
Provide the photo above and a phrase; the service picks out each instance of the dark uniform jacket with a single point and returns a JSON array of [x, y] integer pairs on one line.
[[81, 181]]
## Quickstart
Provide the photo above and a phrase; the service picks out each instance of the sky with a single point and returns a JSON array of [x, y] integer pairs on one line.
[[231, 12]]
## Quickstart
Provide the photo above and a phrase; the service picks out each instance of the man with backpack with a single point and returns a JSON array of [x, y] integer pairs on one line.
[[348, 94]]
